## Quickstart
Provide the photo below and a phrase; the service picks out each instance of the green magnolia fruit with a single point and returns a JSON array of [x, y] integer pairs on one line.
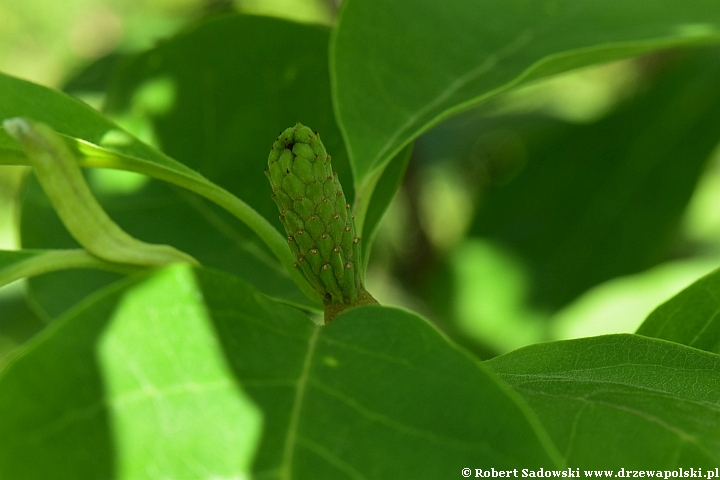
[[317, 218]]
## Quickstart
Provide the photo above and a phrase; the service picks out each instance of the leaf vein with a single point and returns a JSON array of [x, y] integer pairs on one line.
[[400, 427], [331, 458], [291, 437]]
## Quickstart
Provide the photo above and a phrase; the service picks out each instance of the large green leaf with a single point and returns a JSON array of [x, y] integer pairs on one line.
[[600, 200], [622, 400], [400, 67], [170, 375], [692, 317], [229, 85]]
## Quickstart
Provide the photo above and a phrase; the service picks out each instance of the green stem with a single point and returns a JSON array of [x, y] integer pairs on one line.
[[176, 173], [55, 260], [94, 156]]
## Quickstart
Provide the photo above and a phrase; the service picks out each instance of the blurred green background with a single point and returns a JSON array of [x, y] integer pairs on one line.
[[570, 207]]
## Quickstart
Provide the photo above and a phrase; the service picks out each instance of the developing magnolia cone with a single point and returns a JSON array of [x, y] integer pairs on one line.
[[317, 219]]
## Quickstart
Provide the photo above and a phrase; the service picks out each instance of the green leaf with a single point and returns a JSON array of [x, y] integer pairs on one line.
[[97, 385], [98, 142], [71, 118], [175, 409], [621, 400], [400, 67], [18, 322], [157, 212], [54, 392], [57, 279], [596, 201], [94, 78], [426, 400], [170, 374], [692, 317], [232, 83], [381, 194]]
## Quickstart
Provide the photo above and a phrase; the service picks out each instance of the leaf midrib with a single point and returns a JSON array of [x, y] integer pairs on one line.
[[291, 437]]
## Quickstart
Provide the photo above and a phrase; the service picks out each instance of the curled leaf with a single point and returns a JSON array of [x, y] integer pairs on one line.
[[86, 220]]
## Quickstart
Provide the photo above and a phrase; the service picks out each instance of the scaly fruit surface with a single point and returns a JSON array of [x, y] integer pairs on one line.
[[317, 218]]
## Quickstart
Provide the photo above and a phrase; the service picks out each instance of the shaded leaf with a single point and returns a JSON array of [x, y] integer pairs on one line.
[[18, 322], [622, 401], [51, 398], [95, 77], [382, 195], [400, 67], [229, 86]]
